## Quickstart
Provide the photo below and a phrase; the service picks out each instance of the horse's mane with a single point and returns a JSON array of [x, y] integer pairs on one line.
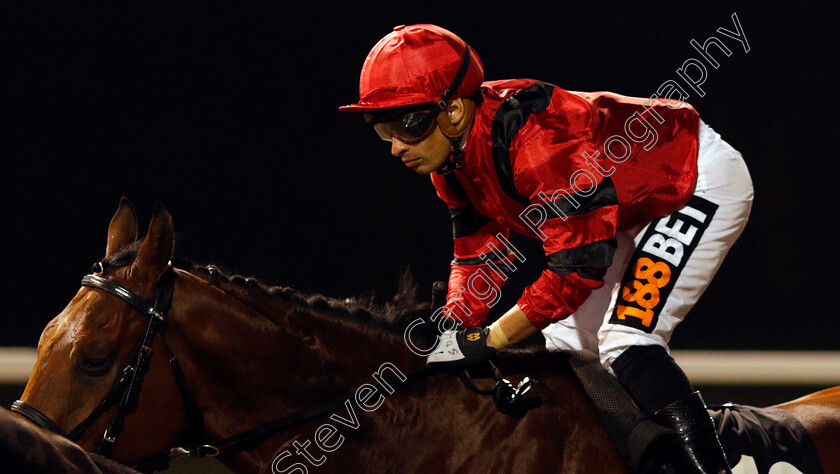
[[391, 316]]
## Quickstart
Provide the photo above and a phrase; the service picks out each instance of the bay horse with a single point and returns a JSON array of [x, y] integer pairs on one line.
[[248, 354]]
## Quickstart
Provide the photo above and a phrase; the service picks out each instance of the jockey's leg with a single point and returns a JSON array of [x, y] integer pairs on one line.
[[652, 377], [674, 259], [662, 390]]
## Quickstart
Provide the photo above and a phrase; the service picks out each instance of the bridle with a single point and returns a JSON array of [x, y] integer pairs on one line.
[[126, 390]]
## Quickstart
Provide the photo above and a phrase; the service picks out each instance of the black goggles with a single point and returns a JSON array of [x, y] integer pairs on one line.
[[408, 127]]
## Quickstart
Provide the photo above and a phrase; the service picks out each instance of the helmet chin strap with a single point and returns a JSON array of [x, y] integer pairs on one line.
[[454, 159], [456, 139], [453, 162]]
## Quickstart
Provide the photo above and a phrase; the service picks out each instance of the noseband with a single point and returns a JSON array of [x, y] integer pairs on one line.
[[126, 391]]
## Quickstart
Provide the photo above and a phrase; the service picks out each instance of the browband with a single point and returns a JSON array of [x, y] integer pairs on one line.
[[140, 303]]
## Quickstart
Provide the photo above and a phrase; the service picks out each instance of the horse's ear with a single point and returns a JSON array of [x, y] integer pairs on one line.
[[153, 257], [123, 228]]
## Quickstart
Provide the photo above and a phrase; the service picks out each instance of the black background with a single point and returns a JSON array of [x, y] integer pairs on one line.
[[228, 116]]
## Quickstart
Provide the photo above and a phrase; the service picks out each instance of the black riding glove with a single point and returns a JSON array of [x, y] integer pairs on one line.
[[458, 350]]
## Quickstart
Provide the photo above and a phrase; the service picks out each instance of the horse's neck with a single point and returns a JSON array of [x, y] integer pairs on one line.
[[354, 350], [248, 370]]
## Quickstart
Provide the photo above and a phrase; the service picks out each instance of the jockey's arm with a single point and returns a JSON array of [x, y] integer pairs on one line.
[[511, 328]]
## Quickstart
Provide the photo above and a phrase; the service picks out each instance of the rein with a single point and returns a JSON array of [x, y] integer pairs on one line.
[[253, 437]]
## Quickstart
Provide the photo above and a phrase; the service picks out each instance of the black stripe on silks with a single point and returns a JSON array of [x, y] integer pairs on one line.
[[495, 257], [466, 221], [468, 261], [605, 195], [589, 260], [455, 186], [509, 119]]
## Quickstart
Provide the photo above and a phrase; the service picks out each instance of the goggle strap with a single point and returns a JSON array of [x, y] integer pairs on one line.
[[456, 82]]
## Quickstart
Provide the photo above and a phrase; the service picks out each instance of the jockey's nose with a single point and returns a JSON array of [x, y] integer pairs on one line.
[[398, 147]]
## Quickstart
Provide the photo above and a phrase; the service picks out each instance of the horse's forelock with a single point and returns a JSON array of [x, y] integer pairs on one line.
[[124, 257]]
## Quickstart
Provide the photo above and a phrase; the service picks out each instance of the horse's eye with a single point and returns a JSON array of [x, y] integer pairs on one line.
[[95, 366]]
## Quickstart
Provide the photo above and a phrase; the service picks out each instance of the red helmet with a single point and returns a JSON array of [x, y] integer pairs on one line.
[[417, 64]]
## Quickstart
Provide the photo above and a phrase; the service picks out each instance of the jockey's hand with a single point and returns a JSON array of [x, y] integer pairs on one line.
[[458, 350]]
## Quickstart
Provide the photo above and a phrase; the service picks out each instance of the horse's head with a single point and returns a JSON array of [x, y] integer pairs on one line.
[[83, 352], [240, 343]]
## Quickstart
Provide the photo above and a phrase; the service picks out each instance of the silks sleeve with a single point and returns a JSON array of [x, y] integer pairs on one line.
[[481, 262]]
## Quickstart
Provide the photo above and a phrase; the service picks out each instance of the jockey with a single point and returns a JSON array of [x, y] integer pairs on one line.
[[636, 202]]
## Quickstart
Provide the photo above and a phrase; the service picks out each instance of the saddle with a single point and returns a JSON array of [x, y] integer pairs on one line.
[[640, 442]]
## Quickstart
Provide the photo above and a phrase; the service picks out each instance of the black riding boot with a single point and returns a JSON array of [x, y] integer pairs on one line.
[[655, 381], [697, 438]]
